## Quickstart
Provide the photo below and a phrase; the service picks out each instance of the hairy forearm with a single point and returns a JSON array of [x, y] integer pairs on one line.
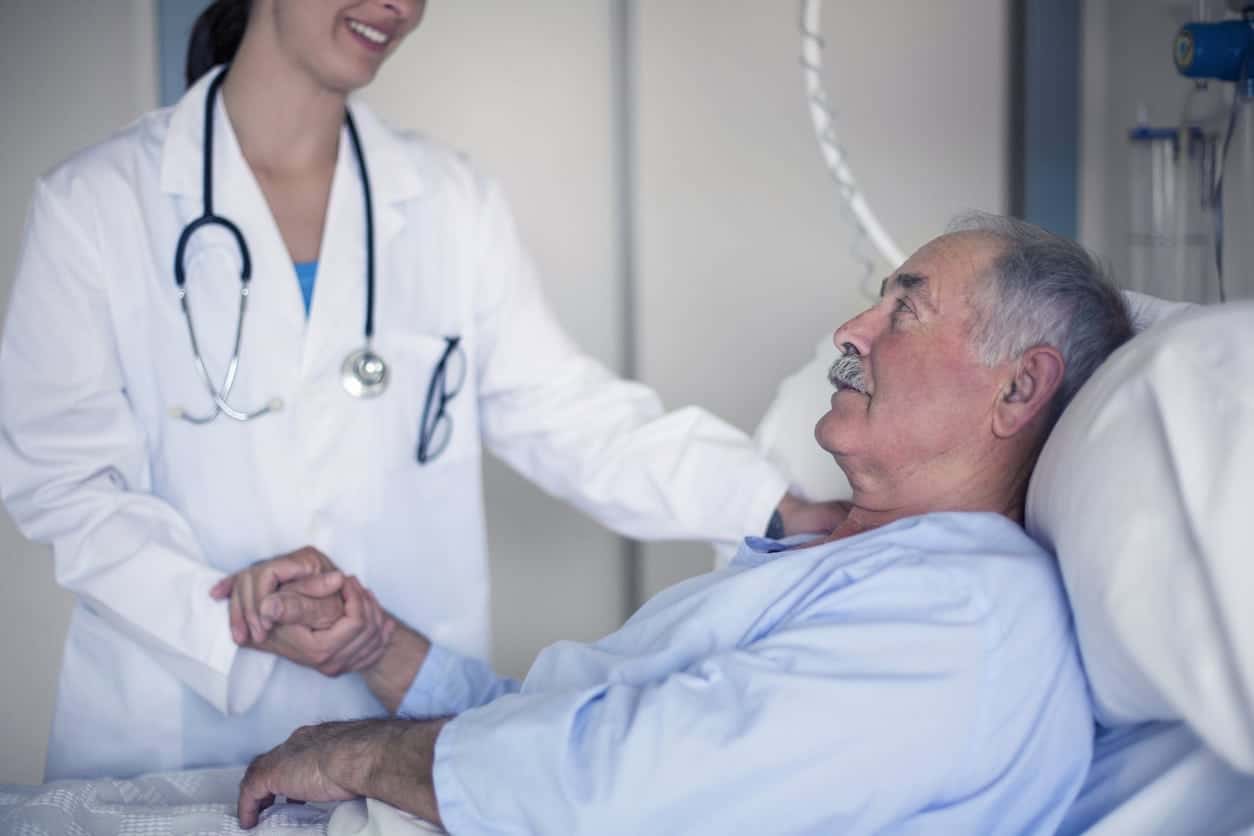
[[389, 678], [400, 762]]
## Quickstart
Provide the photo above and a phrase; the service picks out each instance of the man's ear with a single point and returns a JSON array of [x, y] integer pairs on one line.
[[1029, 391]]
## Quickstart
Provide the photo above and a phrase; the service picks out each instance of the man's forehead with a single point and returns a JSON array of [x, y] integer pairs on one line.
[[944, 265]]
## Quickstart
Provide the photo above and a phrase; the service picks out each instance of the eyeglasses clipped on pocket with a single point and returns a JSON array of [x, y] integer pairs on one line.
[[447, 379]]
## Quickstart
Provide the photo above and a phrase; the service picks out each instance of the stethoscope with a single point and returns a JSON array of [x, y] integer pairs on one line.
[[363, 374]]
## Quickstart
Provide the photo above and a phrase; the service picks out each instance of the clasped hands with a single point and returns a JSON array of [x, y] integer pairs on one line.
[[300, 606]]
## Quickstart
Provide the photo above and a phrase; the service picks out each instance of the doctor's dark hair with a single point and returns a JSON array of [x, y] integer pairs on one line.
[[1045, 290], [216, 36]]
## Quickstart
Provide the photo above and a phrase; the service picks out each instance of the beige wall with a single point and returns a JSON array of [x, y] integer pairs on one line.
[[73, 72], [741, 259]]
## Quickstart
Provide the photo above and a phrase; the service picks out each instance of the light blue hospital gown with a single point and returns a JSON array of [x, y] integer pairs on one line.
[[918, 678]]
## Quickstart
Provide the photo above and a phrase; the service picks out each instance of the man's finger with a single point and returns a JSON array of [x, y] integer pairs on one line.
[[250, 807], [375, 612], [266, 577], [254, 795], [317, 586], [342, 661], [289, 567], [291, 604], [295, 642], [360, 649], [378, 648], [347, 634], [290, 607], [374, 616]]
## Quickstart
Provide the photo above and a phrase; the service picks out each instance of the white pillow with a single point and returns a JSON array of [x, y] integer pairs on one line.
[[1145, 491]]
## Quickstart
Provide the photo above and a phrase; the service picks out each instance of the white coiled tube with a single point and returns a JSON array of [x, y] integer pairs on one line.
[[867, 225]]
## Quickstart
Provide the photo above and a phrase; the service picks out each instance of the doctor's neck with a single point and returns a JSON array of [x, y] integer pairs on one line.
[[285, 121]]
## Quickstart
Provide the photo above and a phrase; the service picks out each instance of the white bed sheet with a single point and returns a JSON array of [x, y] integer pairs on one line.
[[1151, 779], [1158, 778], [199, 801]]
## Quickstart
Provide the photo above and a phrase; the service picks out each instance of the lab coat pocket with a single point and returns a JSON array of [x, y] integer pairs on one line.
[[393, 507], [430, 406], [418, 527]]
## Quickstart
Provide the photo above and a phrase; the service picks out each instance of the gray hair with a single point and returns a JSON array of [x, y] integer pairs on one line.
[[1045, 290]]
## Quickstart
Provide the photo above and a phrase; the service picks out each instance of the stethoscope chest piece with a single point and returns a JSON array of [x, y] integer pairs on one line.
[[364, 374]]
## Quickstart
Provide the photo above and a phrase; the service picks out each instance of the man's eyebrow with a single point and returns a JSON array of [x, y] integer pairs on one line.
[[914, 284]]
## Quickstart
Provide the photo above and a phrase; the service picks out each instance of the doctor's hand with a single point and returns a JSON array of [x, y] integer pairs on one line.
[[249, 587], [799, 516]]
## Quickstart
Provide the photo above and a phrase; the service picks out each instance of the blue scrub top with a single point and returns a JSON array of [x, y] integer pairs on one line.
[[306, 273]]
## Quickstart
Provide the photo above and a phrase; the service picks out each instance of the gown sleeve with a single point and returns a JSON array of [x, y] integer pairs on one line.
[[829, 726], [449, 683]]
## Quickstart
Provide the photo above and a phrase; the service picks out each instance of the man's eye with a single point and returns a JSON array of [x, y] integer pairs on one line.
[[901, 307]]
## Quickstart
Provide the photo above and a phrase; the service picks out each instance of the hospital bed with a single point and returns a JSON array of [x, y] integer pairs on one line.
[[1145, 491]]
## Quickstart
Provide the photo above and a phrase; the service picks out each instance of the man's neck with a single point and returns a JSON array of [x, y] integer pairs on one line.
[[872, 508], [986, 478]]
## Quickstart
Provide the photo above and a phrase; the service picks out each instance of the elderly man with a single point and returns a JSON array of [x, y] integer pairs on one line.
[[913, 671]]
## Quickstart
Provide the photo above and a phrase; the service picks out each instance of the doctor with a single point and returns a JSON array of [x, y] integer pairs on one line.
[[261, 320]]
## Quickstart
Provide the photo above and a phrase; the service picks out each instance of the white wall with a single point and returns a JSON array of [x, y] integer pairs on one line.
[[73, 72], [742, 262]]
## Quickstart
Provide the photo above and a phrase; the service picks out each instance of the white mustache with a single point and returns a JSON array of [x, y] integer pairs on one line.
[[848, 373]]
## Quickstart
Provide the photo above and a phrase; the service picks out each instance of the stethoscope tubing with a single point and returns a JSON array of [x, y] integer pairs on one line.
[[220, 395]]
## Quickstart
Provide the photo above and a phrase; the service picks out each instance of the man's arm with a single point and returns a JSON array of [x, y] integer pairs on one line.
[[297, 606], [392, 676], [385, 759], [830, 728]]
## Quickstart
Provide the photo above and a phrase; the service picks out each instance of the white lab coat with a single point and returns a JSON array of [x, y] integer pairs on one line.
[[145, 512]]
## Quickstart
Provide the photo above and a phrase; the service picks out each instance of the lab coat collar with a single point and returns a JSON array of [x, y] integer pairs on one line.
[[394, 177], [290, 342]]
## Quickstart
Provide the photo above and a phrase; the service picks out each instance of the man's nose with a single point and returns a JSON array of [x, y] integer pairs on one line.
[[856, 335]]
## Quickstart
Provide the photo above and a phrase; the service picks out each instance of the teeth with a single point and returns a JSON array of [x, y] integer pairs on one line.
[[368, 32]]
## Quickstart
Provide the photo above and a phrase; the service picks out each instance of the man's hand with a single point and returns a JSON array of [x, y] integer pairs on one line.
[[247, 589], [317, 763], [802, 517], [354, 642], [315, 602], [386, 759]]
